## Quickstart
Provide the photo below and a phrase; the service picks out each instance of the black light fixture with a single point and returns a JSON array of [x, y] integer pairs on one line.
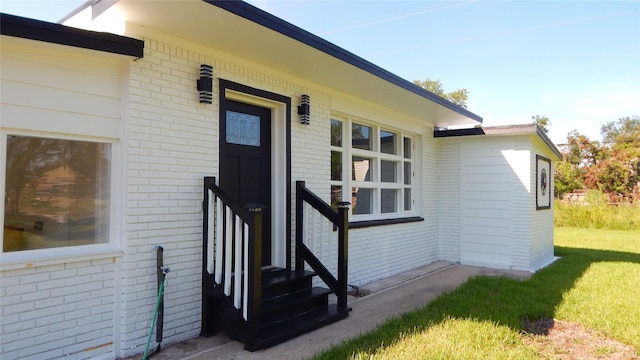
[[304, 110], [205, 84]]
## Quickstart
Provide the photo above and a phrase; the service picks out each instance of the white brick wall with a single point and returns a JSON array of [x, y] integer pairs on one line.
[[58, 311], [171, 147]]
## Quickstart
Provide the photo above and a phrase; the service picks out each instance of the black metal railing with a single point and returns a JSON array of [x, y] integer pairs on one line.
[[304, 255]]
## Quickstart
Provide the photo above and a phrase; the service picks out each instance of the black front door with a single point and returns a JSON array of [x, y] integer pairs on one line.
[[245, 160]]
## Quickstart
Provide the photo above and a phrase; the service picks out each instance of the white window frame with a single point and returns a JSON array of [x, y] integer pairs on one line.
[[376, 184], [40, 257]]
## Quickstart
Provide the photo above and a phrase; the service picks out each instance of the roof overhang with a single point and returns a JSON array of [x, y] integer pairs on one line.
[[503, 130], [20, 27], [240, 29]]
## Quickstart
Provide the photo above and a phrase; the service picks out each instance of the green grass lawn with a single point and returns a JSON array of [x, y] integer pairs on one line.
[[596, 283]]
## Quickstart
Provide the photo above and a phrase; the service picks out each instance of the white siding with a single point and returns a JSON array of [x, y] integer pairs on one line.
[[541, 236], [53, 90], [494, 222], [486, 177], [62, 307], [449, 201]]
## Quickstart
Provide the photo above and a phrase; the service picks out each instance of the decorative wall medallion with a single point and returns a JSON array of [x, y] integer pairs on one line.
[[543, 183]]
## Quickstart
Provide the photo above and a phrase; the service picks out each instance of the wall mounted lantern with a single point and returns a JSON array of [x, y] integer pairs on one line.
[[304, 110], [205, 84]]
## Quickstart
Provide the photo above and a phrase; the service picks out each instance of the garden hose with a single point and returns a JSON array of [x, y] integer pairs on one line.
[[165, 271]]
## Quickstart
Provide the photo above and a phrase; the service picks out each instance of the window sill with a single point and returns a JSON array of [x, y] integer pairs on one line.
[[43, 257], [382, 222]]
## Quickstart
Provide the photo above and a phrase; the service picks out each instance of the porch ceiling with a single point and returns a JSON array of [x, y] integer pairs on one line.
[[214, 27]]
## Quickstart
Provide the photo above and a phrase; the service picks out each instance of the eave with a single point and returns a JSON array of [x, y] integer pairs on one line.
[[240, 29], [16, 26], [503, 130]]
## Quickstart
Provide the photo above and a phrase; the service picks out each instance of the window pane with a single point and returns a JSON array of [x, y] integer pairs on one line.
[[407, 148], [387, 142], [336, 165], [361, 201], [242, 129], [56, 193], [336, 195], [388, 200], [336, 133], [388, 172], [407, 199], [407, 173], [361, 168], [361, 137]]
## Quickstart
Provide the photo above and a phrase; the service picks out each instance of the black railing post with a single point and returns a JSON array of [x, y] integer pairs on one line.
[[255, 270], [300, 186], [343, 252]]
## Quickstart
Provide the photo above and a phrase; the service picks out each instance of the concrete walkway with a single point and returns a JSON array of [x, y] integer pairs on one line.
[[385, 299]]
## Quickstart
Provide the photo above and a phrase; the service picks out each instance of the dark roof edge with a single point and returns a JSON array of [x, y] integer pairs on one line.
[[517, 129], [21, 27], [543, 135], [274, 23]]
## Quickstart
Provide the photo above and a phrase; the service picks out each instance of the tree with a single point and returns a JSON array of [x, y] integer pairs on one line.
[[621, 170], [616, 174], [578, 155], [567, 178], [458, 97], [582, 151], [612, 167], [542, 121], [622, 134]]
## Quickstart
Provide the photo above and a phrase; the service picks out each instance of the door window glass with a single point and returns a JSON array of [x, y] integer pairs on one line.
[[243, 129]]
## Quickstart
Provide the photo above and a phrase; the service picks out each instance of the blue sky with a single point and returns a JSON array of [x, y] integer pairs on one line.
[[576, 62]]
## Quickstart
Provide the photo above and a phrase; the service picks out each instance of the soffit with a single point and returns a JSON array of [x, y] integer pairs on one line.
[[213, 27]]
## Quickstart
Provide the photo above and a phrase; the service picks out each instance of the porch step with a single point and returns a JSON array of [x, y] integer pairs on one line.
[[281, 281], [289, 328], [290, 306]]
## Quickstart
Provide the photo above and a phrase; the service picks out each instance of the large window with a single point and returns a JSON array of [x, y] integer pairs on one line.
[[373, 167], [56, 193]]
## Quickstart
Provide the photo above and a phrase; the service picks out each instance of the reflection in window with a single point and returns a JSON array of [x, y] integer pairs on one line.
[[407, 199], [336, 195], [388, 200], [56, 193], [336, 133], [407, 148], [388, 172], [361, 137], [407, 173], [381, 172], [387, 142], [336, 165], [361, 168], [361, 201]]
